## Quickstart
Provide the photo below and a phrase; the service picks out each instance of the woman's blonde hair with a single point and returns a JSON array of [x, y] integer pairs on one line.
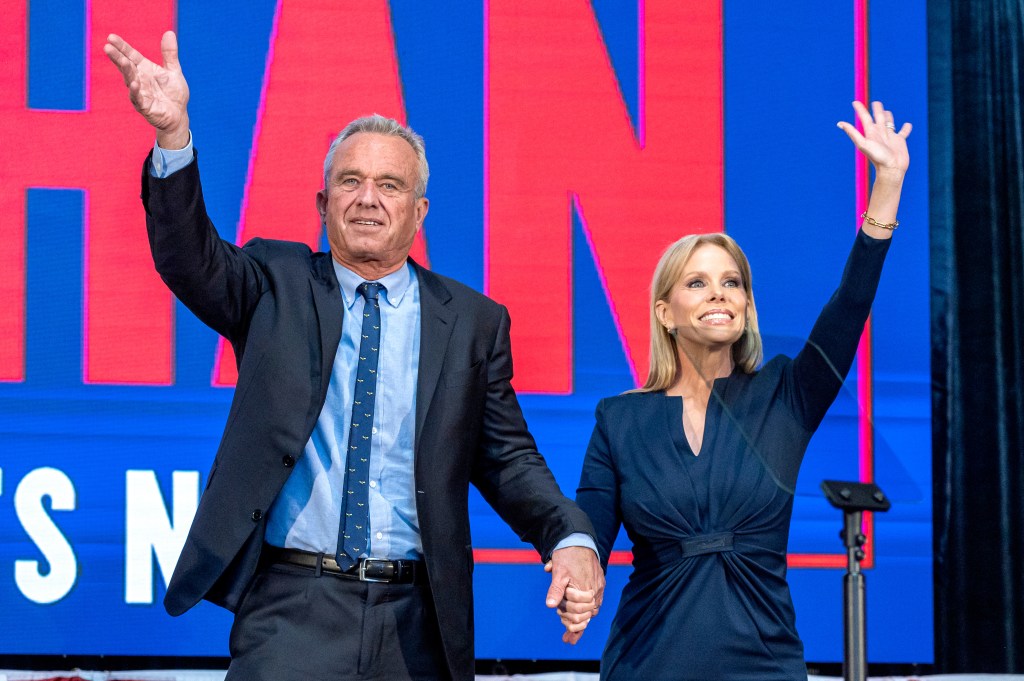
[[746, 352]]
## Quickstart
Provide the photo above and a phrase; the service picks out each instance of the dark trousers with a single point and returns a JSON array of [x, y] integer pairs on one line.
[[296, 625]]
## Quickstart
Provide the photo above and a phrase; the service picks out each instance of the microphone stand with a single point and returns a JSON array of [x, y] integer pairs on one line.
[[853, 498]]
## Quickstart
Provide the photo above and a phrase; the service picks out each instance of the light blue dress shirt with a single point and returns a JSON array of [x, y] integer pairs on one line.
[[307, 512]]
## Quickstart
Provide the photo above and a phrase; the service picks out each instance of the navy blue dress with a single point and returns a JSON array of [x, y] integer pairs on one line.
[[708, 598]]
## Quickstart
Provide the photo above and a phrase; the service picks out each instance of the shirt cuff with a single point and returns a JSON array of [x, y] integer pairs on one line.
[[167, 161], [577, 539]]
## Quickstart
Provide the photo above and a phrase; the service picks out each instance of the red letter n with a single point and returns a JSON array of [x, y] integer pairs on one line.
[[559, 135]]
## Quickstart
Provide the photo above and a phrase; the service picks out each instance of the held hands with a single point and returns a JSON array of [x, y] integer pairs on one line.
[[577, 588], [881, 143], [159, 93]]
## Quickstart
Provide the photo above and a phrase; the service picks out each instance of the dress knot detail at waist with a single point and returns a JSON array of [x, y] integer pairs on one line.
[[717, 542], [686, 547]]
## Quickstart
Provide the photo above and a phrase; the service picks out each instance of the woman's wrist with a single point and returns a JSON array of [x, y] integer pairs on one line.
[[889, 177]]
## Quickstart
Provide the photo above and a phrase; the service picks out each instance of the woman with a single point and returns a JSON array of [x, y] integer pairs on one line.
[[704, 484]]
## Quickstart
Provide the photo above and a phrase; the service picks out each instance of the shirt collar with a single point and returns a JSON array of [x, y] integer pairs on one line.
[[395, 284]]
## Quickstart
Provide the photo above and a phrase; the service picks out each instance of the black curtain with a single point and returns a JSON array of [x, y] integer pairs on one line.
[[976, 70]]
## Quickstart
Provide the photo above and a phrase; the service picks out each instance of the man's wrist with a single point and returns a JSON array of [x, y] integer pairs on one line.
[[166, 162], [177, 138], [578, 539]]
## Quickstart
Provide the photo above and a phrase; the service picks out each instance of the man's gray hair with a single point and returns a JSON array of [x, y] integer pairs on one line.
[[382, 125]]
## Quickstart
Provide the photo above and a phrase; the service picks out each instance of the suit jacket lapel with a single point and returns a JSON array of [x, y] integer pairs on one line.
[[436, 323], [329, 311]]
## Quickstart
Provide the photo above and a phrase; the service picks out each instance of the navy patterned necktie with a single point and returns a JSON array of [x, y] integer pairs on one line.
[[354, 530]]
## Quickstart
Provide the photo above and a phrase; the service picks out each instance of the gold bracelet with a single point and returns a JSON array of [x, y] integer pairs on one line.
[[871, 221]]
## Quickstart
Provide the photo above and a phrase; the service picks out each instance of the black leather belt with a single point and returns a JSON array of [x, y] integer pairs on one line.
[[366, 570]]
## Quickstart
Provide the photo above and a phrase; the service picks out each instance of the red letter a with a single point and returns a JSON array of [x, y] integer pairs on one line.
[[328, 63]]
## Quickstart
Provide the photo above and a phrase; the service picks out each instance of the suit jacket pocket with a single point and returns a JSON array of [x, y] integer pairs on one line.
[[453, 379]]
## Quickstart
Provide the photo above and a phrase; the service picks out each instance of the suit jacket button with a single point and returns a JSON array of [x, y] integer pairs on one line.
[[288, 460], [257, 514]]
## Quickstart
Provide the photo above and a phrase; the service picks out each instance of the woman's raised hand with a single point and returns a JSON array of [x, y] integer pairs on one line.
[[884, 146]]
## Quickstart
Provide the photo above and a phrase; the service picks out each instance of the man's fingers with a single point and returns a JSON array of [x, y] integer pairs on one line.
[[117, 43], [577, 583], [114, 52], [122, 46], [169, 50], [114, 55], [118, 59], [125, 58], [555, 592]]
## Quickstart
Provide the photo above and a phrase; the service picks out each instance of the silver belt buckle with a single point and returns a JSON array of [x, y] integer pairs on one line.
[[362, 570]]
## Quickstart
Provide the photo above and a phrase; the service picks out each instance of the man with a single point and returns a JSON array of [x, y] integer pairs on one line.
[[370, 393]]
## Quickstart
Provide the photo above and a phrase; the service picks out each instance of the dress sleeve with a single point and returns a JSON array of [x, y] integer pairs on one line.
[[818, 371], [598, 492]]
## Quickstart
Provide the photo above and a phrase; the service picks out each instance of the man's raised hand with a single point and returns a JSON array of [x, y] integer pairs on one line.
[[159, 93]]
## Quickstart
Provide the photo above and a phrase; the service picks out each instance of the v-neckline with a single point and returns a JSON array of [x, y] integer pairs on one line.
[[678, 431], [675, 416]]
